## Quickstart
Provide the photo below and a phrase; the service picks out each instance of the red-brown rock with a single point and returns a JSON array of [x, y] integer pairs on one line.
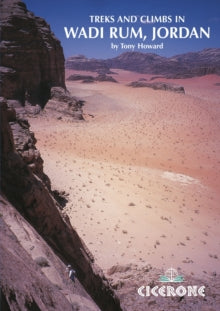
[[32, 59]]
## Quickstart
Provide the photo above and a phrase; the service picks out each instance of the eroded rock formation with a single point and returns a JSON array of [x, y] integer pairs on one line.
[[64, 106], [159, 86], [102, 77], [24, 140], [32, 58], [32, 63], [28, 193]]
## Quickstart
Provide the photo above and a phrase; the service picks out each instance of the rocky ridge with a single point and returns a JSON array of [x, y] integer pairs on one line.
[[180, 66], [80, 62], [159, 86], [89, 79]]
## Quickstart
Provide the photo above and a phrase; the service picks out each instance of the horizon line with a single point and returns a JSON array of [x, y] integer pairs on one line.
[[138, 52]]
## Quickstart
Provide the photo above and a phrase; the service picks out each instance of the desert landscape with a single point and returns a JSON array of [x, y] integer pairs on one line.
[[141, 172], [108, 166]]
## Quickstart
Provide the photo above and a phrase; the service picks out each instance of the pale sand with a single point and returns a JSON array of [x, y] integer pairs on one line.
[[142, 172]]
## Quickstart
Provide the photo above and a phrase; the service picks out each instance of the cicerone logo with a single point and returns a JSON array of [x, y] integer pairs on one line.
[[171, 276]]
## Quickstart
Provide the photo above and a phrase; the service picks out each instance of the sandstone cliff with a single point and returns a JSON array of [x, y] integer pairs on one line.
[[29, 194], [32, 58], [31, 64], [32, 276]]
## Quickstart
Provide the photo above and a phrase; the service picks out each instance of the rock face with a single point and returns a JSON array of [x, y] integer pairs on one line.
[[32, 64], [64, 106], [32, 276], [159, 86], [24, 141], [180, 66], [32, 58], [29, 194]]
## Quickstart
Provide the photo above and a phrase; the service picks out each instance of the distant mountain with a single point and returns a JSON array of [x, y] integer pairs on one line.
[[80, 62], [180, 66]]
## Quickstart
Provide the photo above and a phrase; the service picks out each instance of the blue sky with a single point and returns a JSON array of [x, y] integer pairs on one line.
[[75, 13]]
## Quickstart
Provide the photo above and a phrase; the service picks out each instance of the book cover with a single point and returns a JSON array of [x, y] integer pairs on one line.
[[110, 154]]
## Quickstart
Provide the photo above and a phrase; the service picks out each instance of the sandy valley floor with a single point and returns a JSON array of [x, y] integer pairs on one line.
[[142, 172]]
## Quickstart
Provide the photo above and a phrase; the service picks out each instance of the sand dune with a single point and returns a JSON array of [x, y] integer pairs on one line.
[[142, 171]]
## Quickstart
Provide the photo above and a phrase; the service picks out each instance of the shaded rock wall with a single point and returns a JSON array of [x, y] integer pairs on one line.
[[26, 285], [32, 63], [32, 58], [26, 191], [24, 140]]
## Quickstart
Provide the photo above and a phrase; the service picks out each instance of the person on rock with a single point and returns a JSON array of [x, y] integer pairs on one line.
[[71, 272]]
